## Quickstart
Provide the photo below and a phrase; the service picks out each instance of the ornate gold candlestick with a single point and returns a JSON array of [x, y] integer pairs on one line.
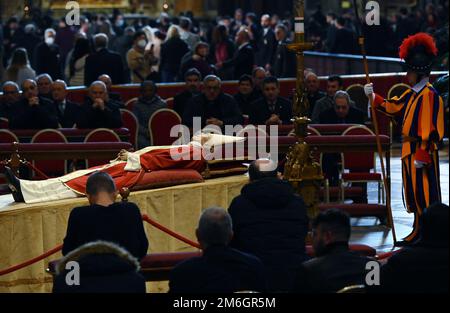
[[301, 171]]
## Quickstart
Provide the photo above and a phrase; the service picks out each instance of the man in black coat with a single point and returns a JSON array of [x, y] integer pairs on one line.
[[104, 219], [345, 40], [270, 221], [213, 106], [69, 113], [220, 269], [98, 111], [266, 43], [284, 61], [32, 111], [244, 57], [102, 62], [104, 268], [271, 109], [343, 112], [334, 266], [9, 98], [193, 80], [423, 266], [47, 56]]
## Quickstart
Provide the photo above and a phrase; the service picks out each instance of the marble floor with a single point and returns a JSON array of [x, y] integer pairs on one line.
[[368, 231]]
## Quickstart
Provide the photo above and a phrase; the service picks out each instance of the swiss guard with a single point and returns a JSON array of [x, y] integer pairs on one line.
[[422, 112]]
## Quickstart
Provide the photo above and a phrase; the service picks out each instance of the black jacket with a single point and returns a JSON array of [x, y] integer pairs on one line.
[[172, 52], [245, 102], [95, 118], [270, 221], [242, 61], [181, 100], [70, 116], [260, 111], [267, 45], [47, 60], [284, 62], [355, 116], [104, 62], [103, 273], [223, 108], [329, 273], [220, 270], [422, 268], [42, 116], [120, 223]]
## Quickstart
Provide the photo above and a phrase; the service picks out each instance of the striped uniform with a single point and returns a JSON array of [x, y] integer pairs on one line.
[[422, 129]]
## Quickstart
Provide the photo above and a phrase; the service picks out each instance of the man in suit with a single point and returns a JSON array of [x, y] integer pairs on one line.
[[313, 92], [423, 266], [334, 266], [44, 83], [102, 62], [345, 40], [266, 43], [271, 109], [284, 61], [99, 111], [104, 219], [270, 221], [220, 269], [10, 96], [32, 111], [47, 56], [68, 112], [246, 94], [244, 57], [193, 81], [213, 106], [342, 112]]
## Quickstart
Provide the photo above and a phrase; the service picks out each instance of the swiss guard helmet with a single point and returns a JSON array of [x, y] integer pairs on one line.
[[419, 52]]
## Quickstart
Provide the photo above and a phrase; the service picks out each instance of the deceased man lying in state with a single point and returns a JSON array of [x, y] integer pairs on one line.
[[126, 169]]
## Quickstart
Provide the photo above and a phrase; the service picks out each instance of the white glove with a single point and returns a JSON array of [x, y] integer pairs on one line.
[[368, 89], [419, 164]]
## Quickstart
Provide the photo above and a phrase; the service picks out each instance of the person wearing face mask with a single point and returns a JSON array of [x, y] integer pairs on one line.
[[47, 56], [334, 266], [140, 60]]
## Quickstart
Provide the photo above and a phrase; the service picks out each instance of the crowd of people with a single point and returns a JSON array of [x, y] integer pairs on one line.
[[257, 245], [162, 50]]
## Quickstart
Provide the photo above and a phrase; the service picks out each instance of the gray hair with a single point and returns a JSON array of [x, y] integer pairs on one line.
[[212, 78], [49, 30], [214, 227], [45, 75], [100, 41], [60, 81], [10, 83], [98, 82], [342, 94]]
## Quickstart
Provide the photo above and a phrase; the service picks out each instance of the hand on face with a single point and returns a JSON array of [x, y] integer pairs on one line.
[[33, 101]]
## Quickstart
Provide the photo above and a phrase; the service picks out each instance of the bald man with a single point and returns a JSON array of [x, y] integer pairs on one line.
[[244, 57], [32, 111], [68, 112], [98, 111], [114, 96]]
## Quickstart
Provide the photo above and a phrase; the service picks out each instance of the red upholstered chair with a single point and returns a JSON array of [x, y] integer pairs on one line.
[[7, 136], [170, 103], [53, 168], [359, 167], [160, 125], [130, 103], [130, 121], [100, 135], [4, 123]]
